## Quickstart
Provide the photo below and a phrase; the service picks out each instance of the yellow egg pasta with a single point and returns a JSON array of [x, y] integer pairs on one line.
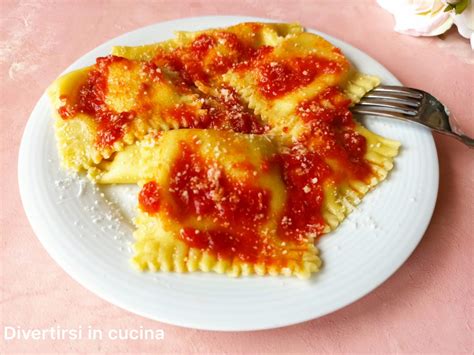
[[215, 170], [258, 34], [92, 123]]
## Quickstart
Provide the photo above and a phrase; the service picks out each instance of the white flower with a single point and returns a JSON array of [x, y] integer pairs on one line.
[[419, 17], [465, 23]]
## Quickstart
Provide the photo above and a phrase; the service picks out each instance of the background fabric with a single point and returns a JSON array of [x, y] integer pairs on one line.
[[427, 306]]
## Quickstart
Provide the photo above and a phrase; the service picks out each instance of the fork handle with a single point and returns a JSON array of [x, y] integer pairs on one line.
[[468, 141], [456, 132]]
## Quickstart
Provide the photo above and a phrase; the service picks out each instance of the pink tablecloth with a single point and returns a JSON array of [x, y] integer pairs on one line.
[[427, 306]]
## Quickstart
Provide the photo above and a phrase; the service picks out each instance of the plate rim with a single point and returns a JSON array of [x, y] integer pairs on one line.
[[38, 229]]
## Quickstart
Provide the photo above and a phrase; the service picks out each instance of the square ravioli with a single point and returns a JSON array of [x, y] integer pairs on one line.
[[297, 69], [213, 201], [205, 55], [101, 109]]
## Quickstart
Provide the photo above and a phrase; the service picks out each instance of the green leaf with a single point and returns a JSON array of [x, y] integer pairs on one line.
[[461, 6], [458, 7], [448, 8]]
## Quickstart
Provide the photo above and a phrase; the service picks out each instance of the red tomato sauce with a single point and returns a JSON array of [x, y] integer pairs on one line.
[[200, 190], [91, 101], [226, 112], [196, 64], [331, 121], [231, 113], [303, 174], [277, 78], [149, 197], [186, 116]]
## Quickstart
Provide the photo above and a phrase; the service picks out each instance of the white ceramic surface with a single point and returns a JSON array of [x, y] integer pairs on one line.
[[87, 229]]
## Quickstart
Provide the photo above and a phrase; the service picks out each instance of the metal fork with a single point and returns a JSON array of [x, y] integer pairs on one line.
[[411, 105]]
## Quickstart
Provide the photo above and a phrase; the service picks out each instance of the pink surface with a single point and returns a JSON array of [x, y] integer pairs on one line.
[[427, 306]]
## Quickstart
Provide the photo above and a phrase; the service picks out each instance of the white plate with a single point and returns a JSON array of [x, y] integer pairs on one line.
[[89, 239]]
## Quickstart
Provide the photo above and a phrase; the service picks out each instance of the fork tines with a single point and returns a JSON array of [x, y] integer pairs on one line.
[[390, 101]]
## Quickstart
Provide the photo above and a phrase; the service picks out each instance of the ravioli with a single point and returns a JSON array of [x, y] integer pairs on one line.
[[303, 88], [241, 140], [298, 68], [101, 109], [224, 42], [212, 201], [201, 57]]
